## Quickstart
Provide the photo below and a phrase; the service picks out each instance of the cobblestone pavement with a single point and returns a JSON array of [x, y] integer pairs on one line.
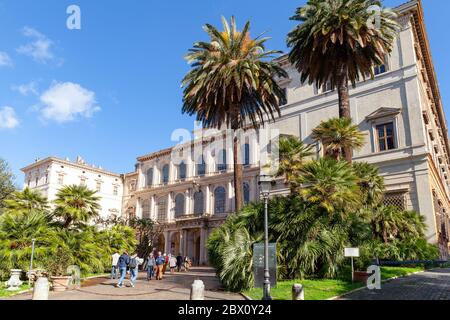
[[429, 285], [172, 287]]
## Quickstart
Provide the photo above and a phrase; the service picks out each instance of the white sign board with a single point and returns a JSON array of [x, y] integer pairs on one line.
[[351, 252]]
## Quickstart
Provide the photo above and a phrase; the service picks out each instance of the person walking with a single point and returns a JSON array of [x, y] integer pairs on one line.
[[134, 263], [186, 263], [159, 262], [166, 262], [172, 264], [151, 265], [179, 262], [122, 265], [115, 260]]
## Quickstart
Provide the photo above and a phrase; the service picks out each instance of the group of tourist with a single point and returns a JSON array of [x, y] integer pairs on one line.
[[156, 266]]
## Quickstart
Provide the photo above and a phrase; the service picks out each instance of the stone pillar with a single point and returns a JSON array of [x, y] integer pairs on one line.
[[138, 208], [184, 246], [172, 173], [188, 202], [208, 206], [181, 243], [166, 242], [203, 251], [169, 206], [230, 197], [153, 213]]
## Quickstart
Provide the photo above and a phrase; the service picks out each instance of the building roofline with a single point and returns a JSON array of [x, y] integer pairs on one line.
[[69, 163]]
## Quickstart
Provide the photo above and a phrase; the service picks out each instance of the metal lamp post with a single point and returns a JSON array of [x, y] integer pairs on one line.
[[265, 184]]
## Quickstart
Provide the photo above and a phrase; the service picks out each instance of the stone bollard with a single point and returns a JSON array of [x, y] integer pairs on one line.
[[198, 290], [41, 288], [298, 293]]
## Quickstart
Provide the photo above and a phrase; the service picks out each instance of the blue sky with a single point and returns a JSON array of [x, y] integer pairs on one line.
[[122, 71]]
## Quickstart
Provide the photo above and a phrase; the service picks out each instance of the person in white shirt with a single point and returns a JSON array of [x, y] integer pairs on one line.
[[115, 260]]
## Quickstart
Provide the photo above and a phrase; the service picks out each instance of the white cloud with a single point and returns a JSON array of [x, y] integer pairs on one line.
[[8, 119], [65, 102], [40, 47], [5, 60], [26, 89]]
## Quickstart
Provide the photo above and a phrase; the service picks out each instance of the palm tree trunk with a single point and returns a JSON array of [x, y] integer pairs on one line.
[[67, 223], [344, 106], [238, 173]]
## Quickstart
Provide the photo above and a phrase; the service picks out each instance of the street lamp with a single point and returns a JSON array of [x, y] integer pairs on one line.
[[31, 262], [265, 185]]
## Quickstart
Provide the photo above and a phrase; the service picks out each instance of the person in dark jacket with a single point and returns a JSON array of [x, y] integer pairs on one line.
[[124, 260], [179, 262]]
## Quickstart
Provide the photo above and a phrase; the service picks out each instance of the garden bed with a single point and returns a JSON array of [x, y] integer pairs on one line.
[[323, 289]]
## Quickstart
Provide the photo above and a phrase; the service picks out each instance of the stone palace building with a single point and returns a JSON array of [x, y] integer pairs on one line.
[[401, 112]]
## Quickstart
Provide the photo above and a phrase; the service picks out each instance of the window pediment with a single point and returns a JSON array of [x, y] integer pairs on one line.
[[383, 112]]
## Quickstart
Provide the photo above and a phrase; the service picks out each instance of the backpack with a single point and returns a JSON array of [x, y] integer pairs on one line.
[[133, 263]]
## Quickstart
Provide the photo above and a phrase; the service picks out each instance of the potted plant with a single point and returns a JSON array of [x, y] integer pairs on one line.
[[56, 266]]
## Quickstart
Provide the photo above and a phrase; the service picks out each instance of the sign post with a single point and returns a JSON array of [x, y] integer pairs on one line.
[[351, 253]]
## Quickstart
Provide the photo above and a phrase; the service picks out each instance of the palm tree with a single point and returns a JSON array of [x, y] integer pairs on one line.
[[26, 200], [386, 223], [330, 184], [76, 204], [340, 41], [292, 152], [370, 183], [338, 135], [232, 82]]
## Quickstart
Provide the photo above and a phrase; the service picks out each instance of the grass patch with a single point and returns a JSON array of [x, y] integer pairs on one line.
[[5, 293], [323, 289]]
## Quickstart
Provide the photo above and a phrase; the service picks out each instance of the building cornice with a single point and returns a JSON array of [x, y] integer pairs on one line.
[[69, 163]]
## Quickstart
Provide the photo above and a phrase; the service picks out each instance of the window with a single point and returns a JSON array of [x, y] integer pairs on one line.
[[179, 205], [60, 179], [146, 209], [395, 199], [198, 203], [37, 181], [219, 200], [385, 136], [328, 86], [222, 160], [382, 68], [162, 209], [246, 154], [246, 188], [149, 177], [201, 166], [285, 94], [182, 171], [46, 178], [98, 186], [116, 190], [165, 176]]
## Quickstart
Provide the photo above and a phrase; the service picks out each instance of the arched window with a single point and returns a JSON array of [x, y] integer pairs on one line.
[[246, 188], [198, 202], [182, 171], [222, 160], [219, 200], [149, 177], [165, 174], [179, 205], [246, 154], [201, 166], [146, 209], [162, 209]]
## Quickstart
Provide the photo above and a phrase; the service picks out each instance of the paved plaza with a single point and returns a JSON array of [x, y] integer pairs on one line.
[[428, 285], [173, 287]]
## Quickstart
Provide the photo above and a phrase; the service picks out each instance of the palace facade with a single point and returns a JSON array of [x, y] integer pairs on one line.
[[401, 112]]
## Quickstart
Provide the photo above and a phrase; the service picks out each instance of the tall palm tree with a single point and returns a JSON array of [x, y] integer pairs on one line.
[[339, 42], [232, 82], [370, 183], [292, 152], [337, 135], [76, 204], [26, 200], [330, 184]]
